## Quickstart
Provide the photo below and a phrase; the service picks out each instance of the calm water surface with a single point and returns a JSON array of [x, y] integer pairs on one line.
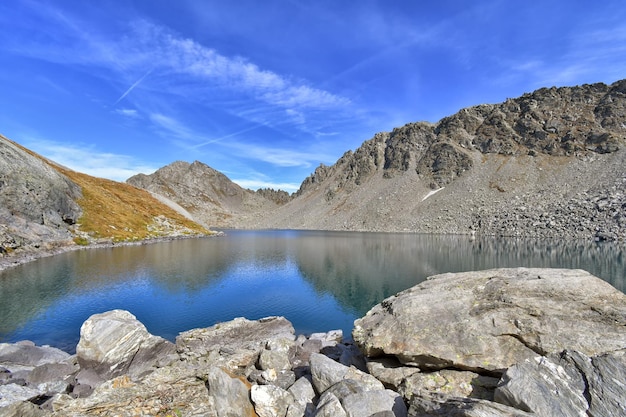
[[319, 280]]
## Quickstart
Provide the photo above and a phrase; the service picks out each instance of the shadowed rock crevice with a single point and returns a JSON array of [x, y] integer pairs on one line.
[[532, 345]]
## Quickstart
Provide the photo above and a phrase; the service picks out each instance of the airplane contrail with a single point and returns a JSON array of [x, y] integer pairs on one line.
[[132, 87]]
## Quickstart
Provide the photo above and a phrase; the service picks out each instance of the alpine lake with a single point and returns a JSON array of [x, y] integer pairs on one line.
[[320, 281]]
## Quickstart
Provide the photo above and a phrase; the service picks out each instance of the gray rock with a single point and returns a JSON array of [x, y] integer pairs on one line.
[[170, 390], [567, 384], [85, 381], [26, 354], [231, 395], [235, 345], [330, 338], [304, 350], [346, 387], [31, 371], [298, 409], [14, 393], [283, 379], [303, 391], [489, 320], [274, 359], [326, 372], [271, 401], [370, 403], [390, 371], [37, 203], [360, 399], [445, 406], [115, 343], [329, 406], [50, 372], [449, 382], [23, 409]]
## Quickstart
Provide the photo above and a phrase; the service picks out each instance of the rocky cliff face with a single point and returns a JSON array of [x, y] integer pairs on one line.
[[37, 203], [549, 163], [209, 196]]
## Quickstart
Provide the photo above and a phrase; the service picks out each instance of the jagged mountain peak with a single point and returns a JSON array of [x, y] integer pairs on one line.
[[565, 121]]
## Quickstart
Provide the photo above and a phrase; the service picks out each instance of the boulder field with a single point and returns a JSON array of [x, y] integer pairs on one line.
[[502, 342]]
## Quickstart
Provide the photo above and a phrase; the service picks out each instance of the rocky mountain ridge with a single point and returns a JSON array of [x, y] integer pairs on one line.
[[547, 164]]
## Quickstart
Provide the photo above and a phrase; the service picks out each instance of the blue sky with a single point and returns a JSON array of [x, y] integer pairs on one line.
[[265, 91]]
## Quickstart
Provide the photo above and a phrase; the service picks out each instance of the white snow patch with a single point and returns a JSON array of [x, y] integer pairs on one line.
[[432, 193]]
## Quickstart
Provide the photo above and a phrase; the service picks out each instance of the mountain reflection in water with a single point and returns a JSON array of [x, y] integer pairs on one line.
[[318, 280]]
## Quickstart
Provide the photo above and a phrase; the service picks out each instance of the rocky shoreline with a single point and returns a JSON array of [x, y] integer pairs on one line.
[[503, 342], [24, 256]]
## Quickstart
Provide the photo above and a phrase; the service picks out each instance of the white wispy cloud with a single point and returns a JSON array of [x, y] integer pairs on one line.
[[88, 160], [172, 126], [188, 57], [150, 45], [278, 156], [133, 113], [180, 66]]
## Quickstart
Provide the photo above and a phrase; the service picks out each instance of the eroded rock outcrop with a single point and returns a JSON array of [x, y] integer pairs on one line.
[[577, 385], [28, 371]]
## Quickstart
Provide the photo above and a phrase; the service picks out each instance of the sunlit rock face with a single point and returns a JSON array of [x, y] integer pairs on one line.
[[487, 321], [37, 203]]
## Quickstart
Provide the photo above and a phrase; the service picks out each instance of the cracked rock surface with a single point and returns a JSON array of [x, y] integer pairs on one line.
[[486, 321], [575, 384]]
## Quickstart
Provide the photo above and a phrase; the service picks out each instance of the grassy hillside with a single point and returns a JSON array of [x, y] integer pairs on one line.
[[121, 212]]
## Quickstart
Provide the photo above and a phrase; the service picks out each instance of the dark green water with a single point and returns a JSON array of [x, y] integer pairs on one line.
[[319, 280]]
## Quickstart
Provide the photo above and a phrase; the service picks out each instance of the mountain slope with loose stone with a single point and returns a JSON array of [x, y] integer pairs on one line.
[[547, 164], [209, 196]]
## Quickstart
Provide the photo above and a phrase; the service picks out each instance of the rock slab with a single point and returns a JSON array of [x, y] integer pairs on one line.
[[486, 321]]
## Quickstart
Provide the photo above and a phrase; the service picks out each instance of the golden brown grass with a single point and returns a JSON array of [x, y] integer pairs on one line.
[[121, 212]]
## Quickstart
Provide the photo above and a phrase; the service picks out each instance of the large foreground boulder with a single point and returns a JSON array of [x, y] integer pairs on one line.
[[115, 343], [486, 321]]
